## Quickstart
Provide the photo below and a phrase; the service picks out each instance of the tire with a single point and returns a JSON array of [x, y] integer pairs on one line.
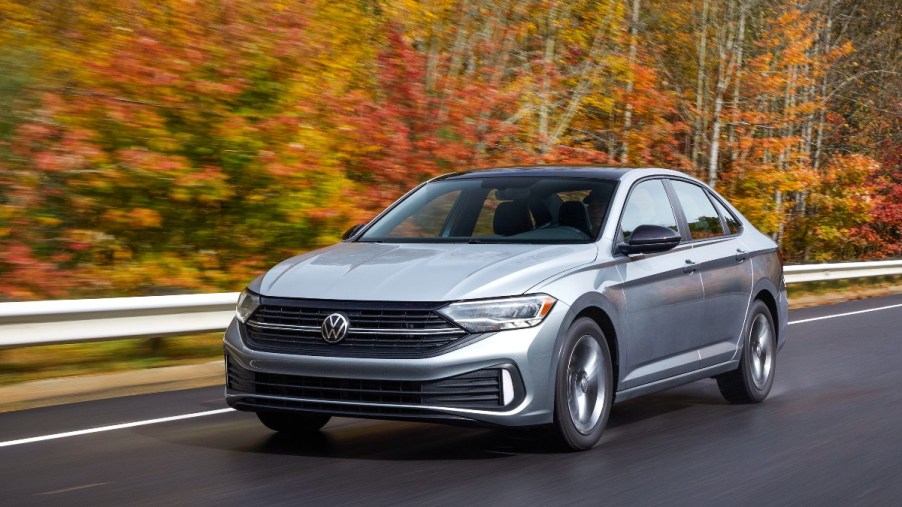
[[752, 381], [582, 401], [290, 423]]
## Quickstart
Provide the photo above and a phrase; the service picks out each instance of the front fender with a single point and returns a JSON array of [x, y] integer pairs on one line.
[[607, 298]]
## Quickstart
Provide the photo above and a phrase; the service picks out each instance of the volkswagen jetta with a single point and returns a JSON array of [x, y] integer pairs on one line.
[[532, 296]]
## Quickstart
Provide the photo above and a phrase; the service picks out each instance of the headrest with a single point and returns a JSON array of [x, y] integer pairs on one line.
[[511, 217], [574, 214], [540, 212]]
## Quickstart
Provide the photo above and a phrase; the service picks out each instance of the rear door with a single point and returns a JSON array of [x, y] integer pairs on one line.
[[726, 274]]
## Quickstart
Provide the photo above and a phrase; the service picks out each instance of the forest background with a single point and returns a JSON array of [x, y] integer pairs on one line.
[[169, 146]]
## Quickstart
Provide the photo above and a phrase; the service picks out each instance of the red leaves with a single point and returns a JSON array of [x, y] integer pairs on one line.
[[142, 159], [197, 143], [402, 133], [26, 276], [881, 236]]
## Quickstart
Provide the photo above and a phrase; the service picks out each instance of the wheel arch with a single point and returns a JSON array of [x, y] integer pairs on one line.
[[767, 297], [601, 310], [610, 334]]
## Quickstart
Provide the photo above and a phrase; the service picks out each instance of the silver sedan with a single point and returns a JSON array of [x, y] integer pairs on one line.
[[533, 296]]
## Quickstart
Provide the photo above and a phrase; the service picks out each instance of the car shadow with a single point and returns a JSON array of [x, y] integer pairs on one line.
[[386, 440], [656, 405]]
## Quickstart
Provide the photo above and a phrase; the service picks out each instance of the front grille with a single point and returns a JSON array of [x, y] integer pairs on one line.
[[480, 389], [376, 329]]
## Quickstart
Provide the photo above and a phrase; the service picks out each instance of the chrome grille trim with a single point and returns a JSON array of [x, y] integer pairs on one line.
[[363, 330], [378, 329]]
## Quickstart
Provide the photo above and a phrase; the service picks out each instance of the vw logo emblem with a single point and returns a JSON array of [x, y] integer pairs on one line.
[[335, 328]]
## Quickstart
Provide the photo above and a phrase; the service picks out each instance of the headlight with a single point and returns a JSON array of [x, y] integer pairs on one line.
[[247, 303], [499, 314]]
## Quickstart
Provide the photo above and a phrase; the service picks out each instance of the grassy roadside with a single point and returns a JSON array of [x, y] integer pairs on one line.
[[802, 295], [53, 361]]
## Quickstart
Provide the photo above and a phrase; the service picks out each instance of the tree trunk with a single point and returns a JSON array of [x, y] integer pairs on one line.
[[715, 142], [737, 84], [628, 113], [725, 71], [821, 116], [698, 123], [545, 95]]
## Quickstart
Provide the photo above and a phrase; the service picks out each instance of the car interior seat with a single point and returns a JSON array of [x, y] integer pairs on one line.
[[511, 217], [540, 213], [574, 214]]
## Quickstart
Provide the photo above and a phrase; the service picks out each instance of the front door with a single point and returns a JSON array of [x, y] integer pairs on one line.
[[663, 293]]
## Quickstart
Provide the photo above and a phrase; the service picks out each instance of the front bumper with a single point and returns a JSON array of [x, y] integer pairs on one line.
[[346, 386]]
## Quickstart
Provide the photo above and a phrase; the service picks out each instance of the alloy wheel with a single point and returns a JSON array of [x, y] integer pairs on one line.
[[587, 389]]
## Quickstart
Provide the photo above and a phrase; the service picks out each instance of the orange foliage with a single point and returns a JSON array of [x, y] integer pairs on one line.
[[191, 146]]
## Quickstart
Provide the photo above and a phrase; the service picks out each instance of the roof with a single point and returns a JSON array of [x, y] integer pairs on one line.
[[578, 171]]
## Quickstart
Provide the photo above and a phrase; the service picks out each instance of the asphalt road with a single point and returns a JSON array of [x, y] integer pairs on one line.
[[830, 434]]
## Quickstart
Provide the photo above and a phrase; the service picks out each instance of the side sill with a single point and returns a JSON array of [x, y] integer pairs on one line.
[[679, 380]]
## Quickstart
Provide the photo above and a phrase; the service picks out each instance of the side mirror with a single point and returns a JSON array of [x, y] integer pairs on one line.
[[351, 232], [650, 239]]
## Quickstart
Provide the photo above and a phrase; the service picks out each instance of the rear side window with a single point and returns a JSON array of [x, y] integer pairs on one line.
[[704, 222], [648, 204], [733, 224]]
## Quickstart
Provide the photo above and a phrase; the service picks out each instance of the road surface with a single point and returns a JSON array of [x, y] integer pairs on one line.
[[829, 434]]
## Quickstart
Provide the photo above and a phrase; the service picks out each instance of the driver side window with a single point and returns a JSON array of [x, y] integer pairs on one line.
[[647, 204]]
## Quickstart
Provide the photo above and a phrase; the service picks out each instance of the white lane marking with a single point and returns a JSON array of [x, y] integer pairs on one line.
[[844, 314], [75, 488], [112, 427]]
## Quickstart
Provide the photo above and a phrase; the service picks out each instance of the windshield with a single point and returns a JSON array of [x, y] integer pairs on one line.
[[498, 210]]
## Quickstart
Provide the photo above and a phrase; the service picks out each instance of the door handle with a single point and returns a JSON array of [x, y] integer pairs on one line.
[[740, 255], [690, 267]]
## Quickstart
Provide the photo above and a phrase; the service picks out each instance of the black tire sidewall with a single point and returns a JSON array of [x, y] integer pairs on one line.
[[755, 393], [571, 437]]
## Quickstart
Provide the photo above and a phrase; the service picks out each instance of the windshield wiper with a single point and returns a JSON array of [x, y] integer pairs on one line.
[[476, 241]]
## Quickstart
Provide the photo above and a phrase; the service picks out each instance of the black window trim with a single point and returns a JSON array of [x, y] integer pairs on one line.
[[367, 226], [677, 206], [677, 214], [717, 200], [723, 221], [607, 213]]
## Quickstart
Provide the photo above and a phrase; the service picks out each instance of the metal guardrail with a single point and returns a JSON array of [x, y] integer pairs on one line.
[[840, 270], [81, 320], [24, 324]]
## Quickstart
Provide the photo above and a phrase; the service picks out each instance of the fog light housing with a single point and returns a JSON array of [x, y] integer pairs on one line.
[[507, 387]]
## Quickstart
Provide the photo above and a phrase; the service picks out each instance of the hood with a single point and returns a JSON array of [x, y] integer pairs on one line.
[[419, 272]]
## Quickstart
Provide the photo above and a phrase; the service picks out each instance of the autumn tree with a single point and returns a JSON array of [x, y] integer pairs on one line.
[[166, 146]]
